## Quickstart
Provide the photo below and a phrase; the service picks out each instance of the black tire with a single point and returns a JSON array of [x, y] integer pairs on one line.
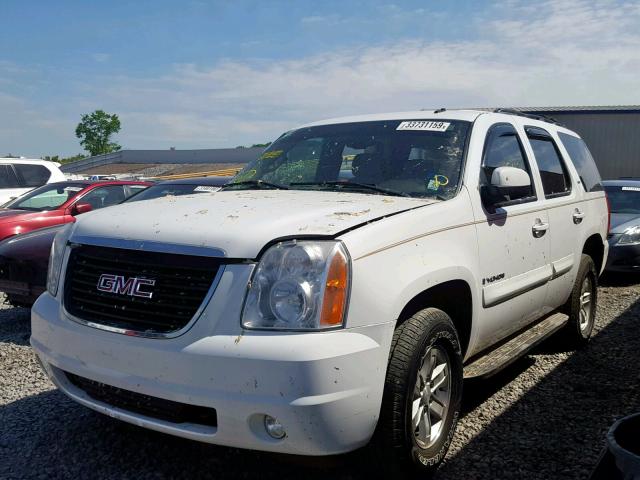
[[429, 330], [577, 332]]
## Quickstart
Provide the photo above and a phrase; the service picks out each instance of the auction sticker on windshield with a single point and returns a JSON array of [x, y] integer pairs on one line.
[[424, 125]]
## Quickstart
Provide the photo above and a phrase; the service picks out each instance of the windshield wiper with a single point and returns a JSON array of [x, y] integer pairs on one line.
[[255, 183], [354, 186]]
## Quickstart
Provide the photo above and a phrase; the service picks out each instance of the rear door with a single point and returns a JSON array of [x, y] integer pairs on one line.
[[513, 241], [566, 213]]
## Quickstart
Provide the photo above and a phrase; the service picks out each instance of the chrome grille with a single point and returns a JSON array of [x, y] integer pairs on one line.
[[180, 285]]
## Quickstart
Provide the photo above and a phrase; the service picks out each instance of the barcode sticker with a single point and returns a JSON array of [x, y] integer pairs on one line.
[[424, 125]]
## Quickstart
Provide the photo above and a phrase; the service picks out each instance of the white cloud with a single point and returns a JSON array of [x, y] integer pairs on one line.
[[101, 57], [568, 52]]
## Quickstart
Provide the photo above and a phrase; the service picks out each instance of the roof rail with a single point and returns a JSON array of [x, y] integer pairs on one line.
[[520, 113]]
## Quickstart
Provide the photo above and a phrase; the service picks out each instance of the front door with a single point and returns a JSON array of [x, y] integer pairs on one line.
[[513, 243]]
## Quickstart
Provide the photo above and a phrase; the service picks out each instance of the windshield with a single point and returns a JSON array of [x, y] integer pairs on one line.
[[157, 191], [417, 158], [624, 199], [47, 197]]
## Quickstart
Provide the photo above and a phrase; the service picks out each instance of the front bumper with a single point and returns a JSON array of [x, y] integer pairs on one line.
[[325, 388], [623, 258]]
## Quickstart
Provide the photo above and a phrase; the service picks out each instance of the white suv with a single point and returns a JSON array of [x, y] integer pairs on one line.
[[18, 176], [338, 291]]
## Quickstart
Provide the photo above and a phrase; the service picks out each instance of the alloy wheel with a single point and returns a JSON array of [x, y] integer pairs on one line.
[[431, 396]]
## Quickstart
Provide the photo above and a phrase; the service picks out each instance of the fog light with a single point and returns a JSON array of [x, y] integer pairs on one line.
[[273, 427]]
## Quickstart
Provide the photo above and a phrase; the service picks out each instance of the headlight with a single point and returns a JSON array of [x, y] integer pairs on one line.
[[632, 235], [56, 257], [299, 285]]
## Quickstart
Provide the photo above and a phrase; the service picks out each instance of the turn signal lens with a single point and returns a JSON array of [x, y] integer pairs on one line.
[[335, 292]]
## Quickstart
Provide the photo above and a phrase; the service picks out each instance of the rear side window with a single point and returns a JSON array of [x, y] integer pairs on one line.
[[553, 173], [33, 175], [8, 177], [583, 161]]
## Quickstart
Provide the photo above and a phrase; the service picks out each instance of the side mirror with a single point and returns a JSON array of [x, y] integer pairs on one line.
[[80, 207], [507, 185], [510, 177]]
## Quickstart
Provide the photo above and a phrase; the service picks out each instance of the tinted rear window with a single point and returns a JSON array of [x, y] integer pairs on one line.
[[33, 175], [624, 199], [8, 178], [555, 179], [583, 161]]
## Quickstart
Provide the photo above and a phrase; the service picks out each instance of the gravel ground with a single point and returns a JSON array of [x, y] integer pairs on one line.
[[544, 417]]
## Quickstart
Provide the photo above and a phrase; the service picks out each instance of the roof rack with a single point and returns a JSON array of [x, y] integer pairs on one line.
[[520, 113]]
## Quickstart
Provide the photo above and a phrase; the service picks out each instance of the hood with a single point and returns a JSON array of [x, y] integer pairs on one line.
[[239, 223], [622, 221]]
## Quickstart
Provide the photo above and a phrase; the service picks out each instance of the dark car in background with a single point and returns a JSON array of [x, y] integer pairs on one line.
[[624, 234], [24, 258], [23, 265], [185, 186]]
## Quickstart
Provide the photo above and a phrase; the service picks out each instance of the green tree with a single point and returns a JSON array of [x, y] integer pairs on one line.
[[95, 130]]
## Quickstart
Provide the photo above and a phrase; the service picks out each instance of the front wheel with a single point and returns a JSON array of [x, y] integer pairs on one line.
[[423, 392]]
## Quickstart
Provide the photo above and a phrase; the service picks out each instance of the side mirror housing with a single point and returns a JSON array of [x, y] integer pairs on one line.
[[80, 208], [506, 183], [510, 177]]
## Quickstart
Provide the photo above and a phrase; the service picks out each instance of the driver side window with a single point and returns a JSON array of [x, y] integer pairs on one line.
[[104, 196], [503, 149]]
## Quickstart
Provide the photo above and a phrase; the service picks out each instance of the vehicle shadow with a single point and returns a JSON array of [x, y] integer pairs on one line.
[[568, 411], [610, 279]]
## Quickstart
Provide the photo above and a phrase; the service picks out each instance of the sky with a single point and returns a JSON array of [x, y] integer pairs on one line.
[[215, 74]]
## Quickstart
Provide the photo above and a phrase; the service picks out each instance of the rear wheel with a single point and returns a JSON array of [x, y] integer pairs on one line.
[[423, 391], [581, 305]]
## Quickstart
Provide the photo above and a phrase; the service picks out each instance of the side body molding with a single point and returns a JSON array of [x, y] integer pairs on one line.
[[504, 290], [563, 265]]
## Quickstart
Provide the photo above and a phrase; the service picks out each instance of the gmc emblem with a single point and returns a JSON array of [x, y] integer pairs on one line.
[[129, 286]]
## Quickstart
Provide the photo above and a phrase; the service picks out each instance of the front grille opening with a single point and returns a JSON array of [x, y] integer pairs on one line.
[[153, 407], [180, 286]]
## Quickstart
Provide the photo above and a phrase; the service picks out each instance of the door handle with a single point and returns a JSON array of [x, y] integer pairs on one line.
[[539, 228], [578, 216]]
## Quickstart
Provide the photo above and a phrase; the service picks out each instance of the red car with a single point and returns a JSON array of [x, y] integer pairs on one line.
[[58, 203]]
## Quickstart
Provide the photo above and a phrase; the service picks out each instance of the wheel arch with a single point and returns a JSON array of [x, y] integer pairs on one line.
[[455, 298], [594, 247]]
